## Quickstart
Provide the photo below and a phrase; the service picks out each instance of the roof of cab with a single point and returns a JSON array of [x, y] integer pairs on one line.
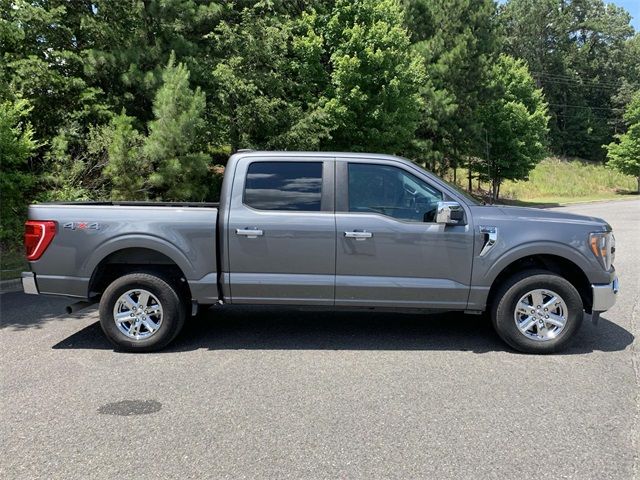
[[325, 155]]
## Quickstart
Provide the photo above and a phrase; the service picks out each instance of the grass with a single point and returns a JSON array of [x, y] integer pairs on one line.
[[575, 180], [12, 263], [558, 181]]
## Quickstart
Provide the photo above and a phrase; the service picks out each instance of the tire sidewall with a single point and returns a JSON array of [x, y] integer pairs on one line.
[[503, 313], [173, 312]]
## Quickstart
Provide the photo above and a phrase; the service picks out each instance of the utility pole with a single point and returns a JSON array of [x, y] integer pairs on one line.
[[486, 144]]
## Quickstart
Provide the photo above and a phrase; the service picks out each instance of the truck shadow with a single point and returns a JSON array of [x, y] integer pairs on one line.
[[270, 328]]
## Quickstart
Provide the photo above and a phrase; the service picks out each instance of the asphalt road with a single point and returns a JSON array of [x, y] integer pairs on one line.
[[266, 393]]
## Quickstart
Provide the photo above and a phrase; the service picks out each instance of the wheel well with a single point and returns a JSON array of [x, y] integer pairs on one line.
[[558, 265], [129, 260]]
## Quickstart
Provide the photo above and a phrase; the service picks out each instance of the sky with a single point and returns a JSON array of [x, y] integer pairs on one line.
[[633, 7]]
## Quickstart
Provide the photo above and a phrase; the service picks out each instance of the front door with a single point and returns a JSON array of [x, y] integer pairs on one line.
[[390, 251], [281, 231]]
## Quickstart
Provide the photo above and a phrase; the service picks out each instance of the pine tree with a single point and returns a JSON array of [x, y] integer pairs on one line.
[[132, 41], [127, 168], [457, 41], [175, 141]]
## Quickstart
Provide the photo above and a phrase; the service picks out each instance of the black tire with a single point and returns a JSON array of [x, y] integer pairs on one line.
[[168, 295], [504, 305]]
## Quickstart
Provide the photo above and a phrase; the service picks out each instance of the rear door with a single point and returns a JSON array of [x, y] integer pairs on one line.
[[281, 231], [390, 251]]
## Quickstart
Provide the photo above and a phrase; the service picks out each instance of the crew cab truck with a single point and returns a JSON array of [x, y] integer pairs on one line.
[[321, 229]]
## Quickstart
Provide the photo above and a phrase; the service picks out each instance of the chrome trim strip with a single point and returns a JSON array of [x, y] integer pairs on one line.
[[29, 283], [604, 296]]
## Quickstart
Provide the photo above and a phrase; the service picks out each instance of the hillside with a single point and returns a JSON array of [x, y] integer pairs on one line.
[[556, 180]]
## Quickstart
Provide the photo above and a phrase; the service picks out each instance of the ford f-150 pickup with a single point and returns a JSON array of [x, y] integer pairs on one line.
[[332, 230]]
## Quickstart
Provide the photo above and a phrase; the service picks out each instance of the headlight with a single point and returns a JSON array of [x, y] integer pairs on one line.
[[603, 246]]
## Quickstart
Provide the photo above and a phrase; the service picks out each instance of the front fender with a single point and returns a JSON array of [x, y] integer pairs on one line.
[[486, 269]]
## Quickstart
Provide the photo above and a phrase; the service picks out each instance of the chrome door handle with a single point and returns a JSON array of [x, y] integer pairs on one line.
[[249, 232], [358, 235]]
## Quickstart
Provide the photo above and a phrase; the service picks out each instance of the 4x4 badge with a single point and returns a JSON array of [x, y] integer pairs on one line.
[[82, 226]]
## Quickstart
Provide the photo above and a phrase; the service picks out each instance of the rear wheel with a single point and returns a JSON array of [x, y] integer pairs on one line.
[[141, 312], [537, 311]]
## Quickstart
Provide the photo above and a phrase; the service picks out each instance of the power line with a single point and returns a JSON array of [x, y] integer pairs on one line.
[[594, 84], [572, 78], [577, 84], [568, 115], [566, 105]]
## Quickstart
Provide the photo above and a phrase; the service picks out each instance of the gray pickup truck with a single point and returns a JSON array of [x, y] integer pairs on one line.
[[332, 230]]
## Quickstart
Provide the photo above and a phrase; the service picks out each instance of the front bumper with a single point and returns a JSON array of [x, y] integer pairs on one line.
[[29, 283], [604, 296]]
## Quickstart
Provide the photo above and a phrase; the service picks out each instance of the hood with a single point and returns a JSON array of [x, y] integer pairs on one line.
[[544, 215]]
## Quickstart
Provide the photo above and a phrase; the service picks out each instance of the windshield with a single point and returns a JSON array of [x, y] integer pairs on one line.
[[461, 191], [458, 189]]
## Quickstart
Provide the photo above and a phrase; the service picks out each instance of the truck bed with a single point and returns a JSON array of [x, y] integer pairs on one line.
[[137, 204], [90, 235]]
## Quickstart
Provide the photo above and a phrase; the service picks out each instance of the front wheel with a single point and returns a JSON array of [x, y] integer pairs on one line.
[[141, 312], [537, 311]]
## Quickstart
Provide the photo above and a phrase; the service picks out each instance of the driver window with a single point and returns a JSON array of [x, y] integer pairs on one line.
[[391, 191]]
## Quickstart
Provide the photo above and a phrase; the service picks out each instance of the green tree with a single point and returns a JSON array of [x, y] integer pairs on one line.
[[132, 41], [176, 138], [624, 153], [457, 41], [127, 169], [342, 77], [577, 52], [43, 45], [78, 62], [375, 77], [17, 146], [72, 164], [630, 81], [267, 81], [515, 122]]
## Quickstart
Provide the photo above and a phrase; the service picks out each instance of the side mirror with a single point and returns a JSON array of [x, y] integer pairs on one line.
[[450, 213]]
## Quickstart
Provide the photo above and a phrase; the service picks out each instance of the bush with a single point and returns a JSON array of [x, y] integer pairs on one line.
[[16, 180]]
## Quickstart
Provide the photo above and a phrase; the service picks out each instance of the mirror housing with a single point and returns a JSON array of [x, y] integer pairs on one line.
[[450, 213]]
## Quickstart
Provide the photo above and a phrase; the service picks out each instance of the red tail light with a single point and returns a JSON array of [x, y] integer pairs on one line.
[[37, 237]]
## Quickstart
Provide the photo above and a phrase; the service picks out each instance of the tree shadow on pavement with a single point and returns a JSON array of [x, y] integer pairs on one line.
[[271, 328], [21, 311]]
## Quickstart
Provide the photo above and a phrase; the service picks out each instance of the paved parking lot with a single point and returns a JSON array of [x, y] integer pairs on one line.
[[268, 393]]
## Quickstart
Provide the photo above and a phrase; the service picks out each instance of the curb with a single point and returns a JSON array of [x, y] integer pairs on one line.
[[600, 200], [12, 285], [587, 202]]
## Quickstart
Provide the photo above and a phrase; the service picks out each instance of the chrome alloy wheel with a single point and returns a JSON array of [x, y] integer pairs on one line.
[[138, 314], [541, 314]]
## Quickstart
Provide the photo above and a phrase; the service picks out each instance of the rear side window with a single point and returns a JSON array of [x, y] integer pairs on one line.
[[284, 186]]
